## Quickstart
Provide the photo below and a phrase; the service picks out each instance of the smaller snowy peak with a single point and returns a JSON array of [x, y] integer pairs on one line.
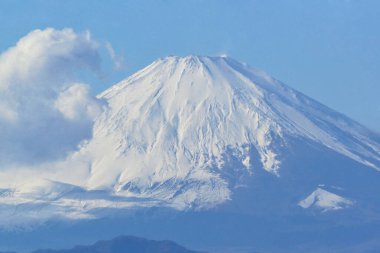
[[325, 201]]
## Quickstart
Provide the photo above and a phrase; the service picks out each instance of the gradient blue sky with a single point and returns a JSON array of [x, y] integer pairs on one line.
[[328, 49]]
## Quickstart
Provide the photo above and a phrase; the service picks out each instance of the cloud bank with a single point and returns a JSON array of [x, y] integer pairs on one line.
[[44, 110]]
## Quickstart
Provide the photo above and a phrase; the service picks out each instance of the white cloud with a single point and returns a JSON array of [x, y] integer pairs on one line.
[[75, 103], [49, 55], [44, 112]]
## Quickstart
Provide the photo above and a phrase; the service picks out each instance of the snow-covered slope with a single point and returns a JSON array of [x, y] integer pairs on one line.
[[169, 127], [187, 132]]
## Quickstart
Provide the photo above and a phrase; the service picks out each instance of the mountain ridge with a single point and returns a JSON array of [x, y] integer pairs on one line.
[[230, 105], [124, 244], [212, 154], [196, 133]]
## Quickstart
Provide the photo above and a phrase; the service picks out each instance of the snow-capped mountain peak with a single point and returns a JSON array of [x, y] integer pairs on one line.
[[170, 126], [191, 132]]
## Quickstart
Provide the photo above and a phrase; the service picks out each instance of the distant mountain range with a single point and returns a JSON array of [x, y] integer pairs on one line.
[[124, 244]]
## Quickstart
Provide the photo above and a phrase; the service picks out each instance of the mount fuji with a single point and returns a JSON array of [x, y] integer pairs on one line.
[[218, 142]]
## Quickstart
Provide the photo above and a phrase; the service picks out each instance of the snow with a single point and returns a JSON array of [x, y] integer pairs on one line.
[[174, 120], [163, 138], [325, 201]]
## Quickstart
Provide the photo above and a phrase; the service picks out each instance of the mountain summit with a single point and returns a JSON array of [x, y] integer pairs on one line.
[[192, 148], [203, 132], [173, 129]]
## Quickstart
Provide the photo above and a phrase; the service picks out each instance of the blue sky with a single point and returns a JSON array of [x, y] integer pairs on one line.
[[328, 49]]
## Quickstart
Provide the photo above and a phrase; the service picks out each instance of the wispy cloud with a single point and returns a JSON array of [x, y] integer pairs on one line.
[[118, 60]]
